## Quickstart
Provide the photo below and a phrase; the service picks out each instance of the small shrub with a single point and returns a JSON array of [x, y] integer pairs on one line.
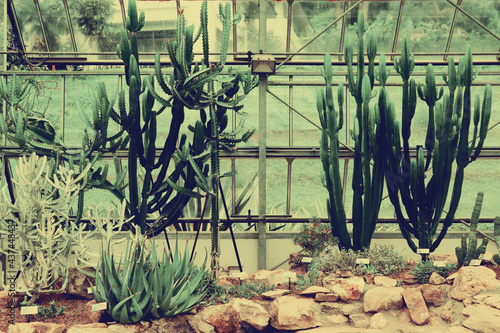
[[314, 237], [424, 270], [384, 260], [246, 289], [306, 281], [50, 312]]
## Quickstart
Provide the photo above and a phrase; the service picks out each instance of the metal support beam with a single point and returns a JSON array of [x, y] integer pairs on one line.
[[261, 225]]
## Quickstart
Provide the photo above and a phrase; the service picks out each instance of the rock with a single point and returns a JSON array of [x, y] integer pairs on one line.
[[36, 327], [384, 281], [228, 281], [177, 324], [350, 309], [343, 274], [337, 319], [493, 301], [416, 305], [452, 259], [485, 320], [121, 328], [436, 279], [380, 298], [78, 283], [459, 329], [369, 278], [330, 307], [409, 278], [329, 297], [378, 321], [433, 295], [360, 320], [450, 278], [471, 280], [199, 325], [405, 316], [94, 316], [224, 318], [348, 289], [292, 313], [251, 313], [272, 277], [88, 328], [275, 293], [314, 290], [448, 313]]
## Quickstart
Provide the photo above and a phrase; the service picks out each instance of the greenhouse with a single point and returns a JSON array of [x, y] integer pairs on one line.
[[249, 165]]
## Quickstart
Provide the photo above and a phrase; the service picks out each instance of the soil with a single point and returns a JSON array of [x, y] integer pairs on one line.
[[75, 305]]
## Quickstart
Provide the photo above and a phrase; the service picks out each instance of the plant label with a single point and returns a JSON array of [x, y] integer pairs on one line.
[[100, 306], [291, 275], [423, 251], [237, 275], [439, 264], [475, 262], [306, 260], [89, 290], [27, 310], [363, 261], [486, 256]]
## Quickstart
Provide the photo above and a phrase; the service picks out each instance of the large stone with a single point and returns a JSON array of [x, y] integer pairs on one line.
[[360, 320], [378, 321], [292, 313], [436, 279], [88, 328], [272, 294], [349, 289], [486, 320], [448, 312], [224, 318], [337, 319], [433, 295], [380, 298], [199, 325], [471, 280], [313, 290], [251, 313], [272, 277], [384, 281], [493, 301], [416, 305], [121, 328], [459, 329], [331, 307], [326, 297], [351, 309], [36, 327], [94, 316]]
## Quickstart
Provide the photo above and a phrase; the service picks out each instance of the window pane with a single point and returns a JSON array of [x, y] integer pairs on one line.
[[56, 25], [30, 25]]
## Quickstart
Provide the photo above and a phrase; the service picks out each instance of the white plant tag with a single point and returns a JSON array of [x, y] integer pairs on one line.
[[100, 306], [475, 262], [364, 261], [423, 251], [439, 264], [306, 259], [291, 275], [89, 290], [26, 310], [486, 256]]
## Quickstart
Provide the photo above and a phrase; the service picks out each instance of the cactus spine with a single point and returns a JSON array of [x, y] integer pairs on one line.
[[367, 182], [446, 140], [468, 251]]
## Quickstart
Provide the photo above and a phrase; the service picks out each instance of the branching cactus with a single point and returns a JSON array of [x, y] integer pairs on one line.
[[40, 221], [447, 140], [468, 249], [368, 179]]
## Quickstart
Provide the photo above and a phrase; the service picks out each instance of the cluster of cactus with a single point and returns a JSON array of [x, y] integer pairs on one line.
[[447, 140], [41, 232], [368, 180], [468, 250], [140, 285]]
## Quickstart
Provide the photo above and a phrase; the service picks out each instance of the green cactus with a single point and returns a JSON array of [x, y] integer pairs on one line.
[[467, 252], [367, 182], [496, 235], [424, 197]]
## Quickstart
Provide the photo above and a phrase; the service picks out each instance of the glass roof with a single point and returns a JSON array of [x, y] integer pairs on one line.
[[89, 29]]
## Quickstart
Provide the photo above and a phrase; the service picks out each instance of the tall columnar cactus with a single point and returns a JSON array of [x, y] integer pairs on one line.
[[367, 182], [447, 139], [194, 87], [468, 251], [496, 235]]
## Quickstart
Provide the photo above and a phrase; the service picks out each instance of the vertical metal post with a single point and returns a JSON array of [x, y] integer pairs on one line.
[[63, 107], [261, 225]]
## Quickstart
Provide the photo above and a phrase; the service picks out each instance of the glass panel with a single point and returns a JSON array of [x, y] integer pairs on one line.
[[467, 32], [427, 26], [305, 133], [248, 28], [276, 24], [96, 25], [246, 170], [30, 25], [56, 25], [493, 137], [277, 117], [276, 186]]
